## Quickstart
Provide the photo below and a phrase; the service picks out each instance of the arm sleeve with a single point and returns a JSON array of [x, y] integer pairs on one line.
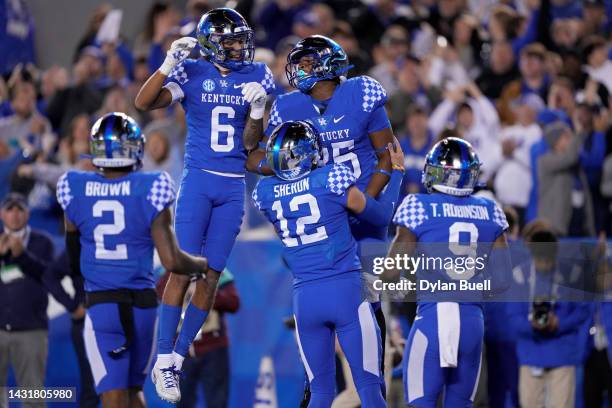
[[379, 211], [378, 120], [373, 95], [489, 115]]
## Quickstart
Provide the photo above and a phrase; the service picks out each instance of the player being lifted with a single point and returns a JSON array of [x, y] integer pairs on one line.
[[351, 120], [309, 208], [445, 342], [223, 95], [114, 218]]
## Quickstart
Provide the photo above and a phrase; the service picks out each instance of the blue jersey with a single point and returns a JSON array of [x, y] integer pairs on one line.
[[448, 228], [355, 110], [414, 161], [114, 218], [216, 112], [311, 218]]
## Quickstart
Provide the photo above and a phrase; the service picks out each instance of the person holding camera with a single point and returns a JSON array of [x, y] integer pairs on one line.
[[547, 328], [24, 255]]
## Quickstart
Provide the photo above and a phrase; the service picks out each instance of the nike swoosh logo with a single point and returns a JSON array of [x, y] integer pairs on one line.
[[336, 120], [238, 86]]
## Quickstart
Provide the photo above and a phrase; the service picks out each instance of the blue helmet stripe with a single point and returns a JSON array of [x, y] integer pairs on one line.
[[464, 160], [108, 141], [277, 144]]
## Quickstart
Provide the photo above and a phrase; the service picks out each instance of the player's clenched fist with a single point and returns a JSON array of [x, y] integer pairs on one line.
[[255, 94], [179, 50]]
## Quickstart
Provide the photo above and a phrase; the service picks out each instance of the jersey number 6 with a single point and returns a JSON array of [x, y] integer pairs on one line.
[[216, 128]]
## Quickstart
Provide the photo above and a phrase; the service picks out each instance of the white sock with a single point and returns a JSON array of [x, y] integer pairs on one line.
[[165, 360], [178, 360]]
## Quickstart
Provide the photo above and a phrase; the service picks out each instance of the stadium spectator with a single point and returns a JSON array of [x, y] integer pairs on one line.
[[547, 329], [317, 19], [416, 142], [389, 55], [24, 256], [557, 170], [160, 155], [533, 80], [26, 127], [561, 96], [74, 304], [95, 21], [79, 97], [359, 59], [414, 89], [467, 43], [277, 19], [513, 178], [595, 59], [16, 35], [476, 121], [160, 19]]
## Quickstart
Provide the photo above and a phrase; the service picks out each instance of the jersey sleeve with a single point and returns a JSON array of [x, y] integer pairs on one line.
[[411, 213], [268, 80], [339, 179], [373, 95], [378, 120], [161, 194], [176, 81], [64, 194], [499, 218], [274, 118]]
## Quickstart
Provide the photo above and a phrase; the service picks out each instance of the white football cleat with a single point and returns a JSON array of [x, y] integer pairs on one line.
[[166, 380]]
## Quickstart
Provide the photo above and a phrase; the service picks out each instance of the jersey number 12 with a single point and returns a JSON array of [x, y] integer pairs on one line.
[[315, 214]]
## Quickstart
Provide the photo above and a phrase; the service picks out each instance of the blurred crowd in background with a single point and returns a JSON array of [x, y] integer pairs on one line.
[[497, 73], [527, 82]]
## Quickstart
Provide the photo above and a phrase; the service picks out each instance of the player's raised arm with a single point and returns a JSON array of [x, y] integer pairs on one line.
[[380, 139], [254, 94], [153, 94], [257, 163], [172, 258], [379, 211]]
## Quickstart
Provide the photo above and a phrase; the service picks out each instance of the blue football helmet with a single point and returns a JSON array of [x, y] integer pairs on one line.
[[117, 141], [293, 150], [327, 57], [451, 167], [219, 25]]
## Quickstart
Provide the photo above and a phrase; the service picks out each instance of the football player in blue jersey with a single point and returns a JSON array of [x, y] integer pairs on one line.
[[443, 351], [114, 218], [223, 95], [350, 117], [309, 208]]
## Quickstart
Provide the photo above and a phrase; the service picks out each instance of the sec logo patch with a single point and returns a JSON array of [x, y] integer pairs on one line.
[[208, 85]]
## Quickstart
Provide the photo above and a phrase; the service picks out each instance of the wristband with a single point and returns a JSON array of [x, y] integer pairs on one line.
[[257, 112], [385, 172], [397, 167]]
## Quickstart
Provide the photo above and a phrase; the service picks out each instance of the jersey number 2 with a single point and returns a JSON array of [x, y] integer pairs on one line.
[[118, 225], [315, 214], [217, 128]]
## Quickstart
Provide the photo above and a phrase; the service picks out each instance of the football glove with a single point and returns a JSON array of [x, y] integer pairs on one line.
[[179, 50], [255, 94]]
